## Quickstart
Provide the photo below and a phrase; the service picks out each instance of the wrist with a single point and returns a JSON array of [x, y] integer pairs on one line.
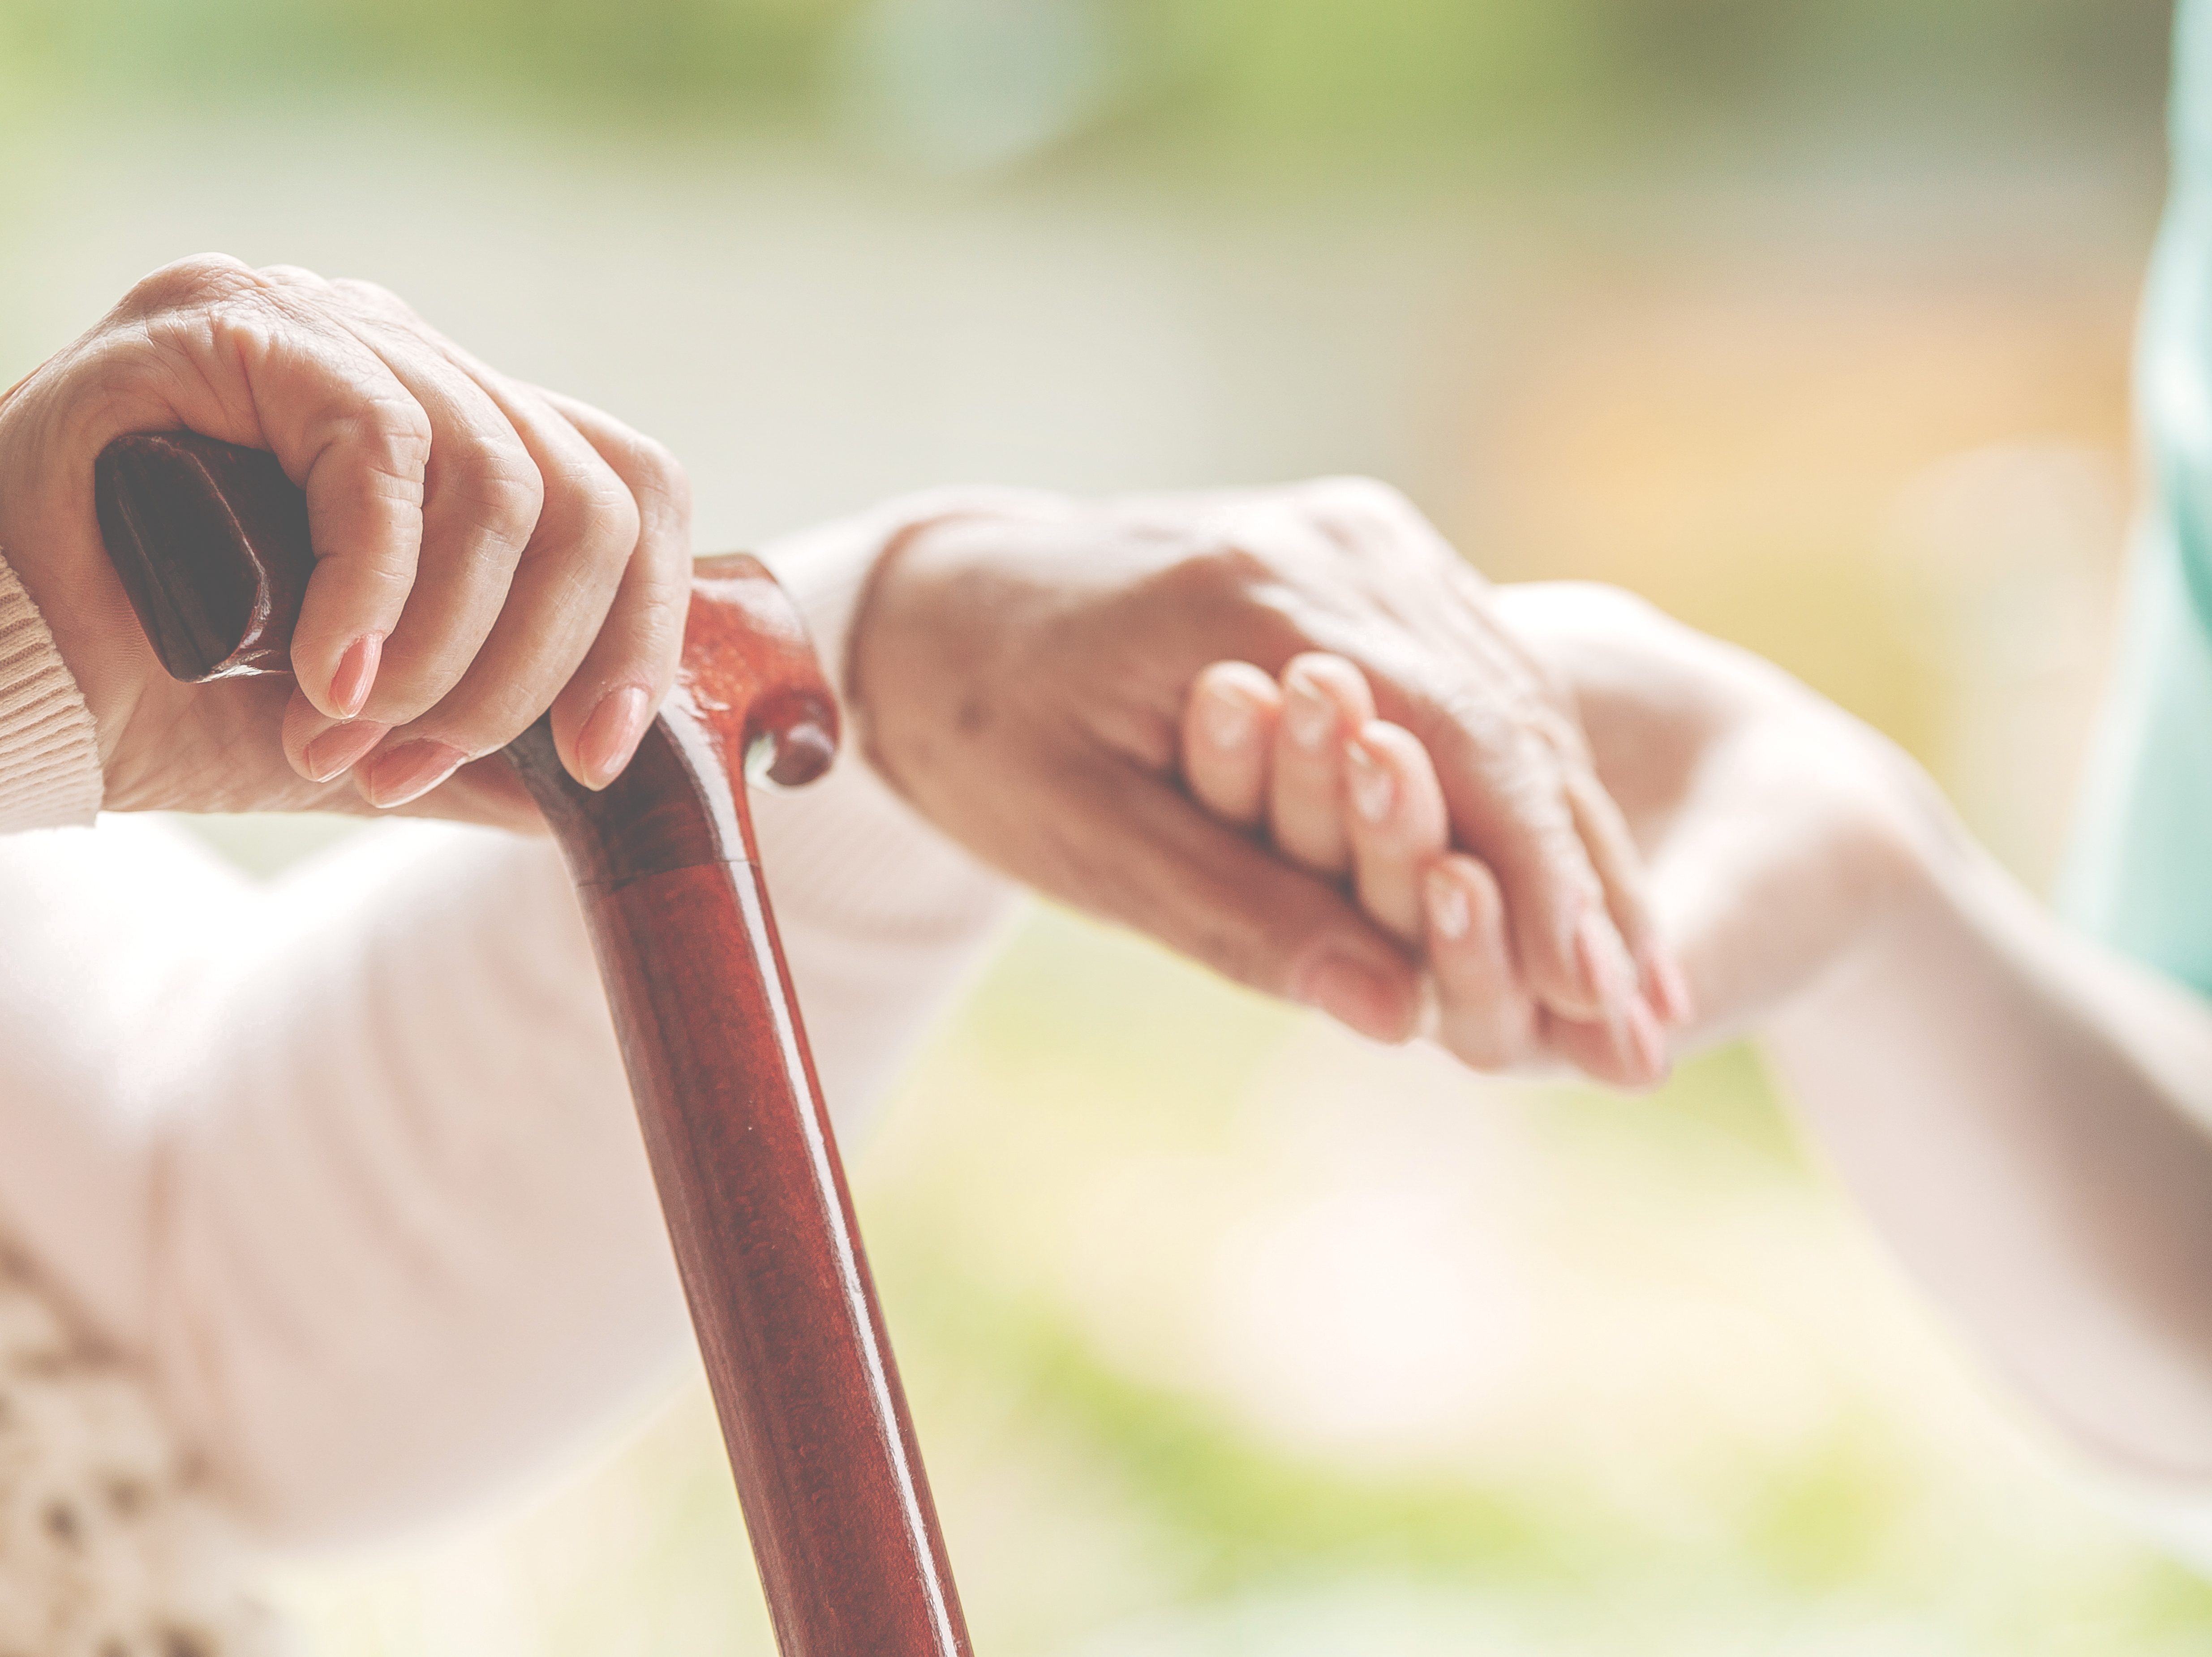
[[1906, 865], [920, 593]]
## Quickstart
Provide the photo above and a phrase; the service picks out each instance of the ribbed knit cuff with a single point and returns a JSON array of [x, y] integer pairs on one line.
[[873, 868], [50, 773]]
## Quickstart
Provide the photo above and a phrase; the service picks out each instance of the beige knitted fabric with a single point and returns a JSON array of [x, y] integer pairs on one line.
[[49, 760], [109, 1547]]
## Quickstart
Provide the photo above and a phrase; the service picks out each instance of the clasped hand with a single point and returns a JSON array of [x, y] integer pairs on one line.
[[1286, 731], [1023, 671], [1289, 733]]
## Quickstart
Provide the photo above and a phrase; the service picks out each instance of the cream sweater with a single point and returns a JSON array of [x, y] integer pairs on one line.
[[338, 1174]]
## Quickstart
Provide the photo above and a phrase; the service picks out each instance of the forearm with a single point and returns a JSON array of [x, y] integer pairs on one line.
[[348, 1164], [2026, 1115], [473, 1170], [2028, 1118]]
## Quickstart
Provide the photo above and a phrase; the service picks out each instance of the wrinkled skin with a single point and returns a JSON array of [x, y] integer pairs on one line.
[[485, 551], [1020, 670]]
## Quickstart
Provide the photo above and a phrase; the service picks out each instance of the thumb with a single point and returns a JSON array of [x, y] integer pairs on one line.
[[1149, 859]]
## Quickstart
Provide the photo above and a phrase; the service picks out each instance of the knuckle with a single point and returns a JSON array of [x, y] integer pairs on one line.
[[653, 464], [376, 303], [1233, 594], [1486, 722], [588, 520], [1528, 822], [1376, 520], [394, 454], [614, 537], [1227, 565], [638, 476], [402, 432], [1561, 735], [663, 474], [504, 494], [372, 295], [607, 522], [1512, 727], [204, 279]]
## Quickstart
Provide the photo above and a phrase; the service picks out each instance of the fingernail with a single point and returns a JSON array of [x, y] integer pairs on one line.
[[1372, 786], [1602, 962], [1670, 989], [350, 684], [338, 747], [604, 745], [1450, 915], [1227, 717], [1308, 714], [1354, 993], [408, 772], [1650, 1043]]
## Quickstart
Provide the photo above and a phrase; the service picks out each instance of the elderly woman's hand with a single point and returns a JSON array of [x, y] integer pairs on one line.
[[486, 551], [1779, 833], [1020, 669]]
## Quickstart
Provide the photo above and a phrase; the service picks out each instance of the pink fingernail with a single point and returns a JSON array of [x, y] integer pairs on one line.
[[1308, 714], [1373, 789], [1450, 914], [337, 748], [1670, 989], [1601, 961], [605, 744], [1354, 993], [408, 772], [1227, 717], [356, 674]]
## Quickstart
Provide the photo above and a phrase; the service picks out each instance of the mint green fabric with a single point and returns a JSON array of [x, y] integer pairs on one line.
[[2140, 875]]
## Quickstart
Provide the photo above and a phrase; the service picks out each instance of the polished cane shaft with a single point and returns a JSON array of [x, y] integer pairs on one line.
[[210, 542]]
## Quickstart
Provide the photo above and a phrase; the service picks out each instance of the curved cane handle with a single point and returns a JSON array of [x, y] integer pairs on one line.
[[211, 544], [210, 541]]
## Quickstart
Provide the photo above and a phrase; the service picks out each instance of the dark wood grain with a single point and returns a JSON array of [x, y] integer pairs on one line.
[[667, 873]]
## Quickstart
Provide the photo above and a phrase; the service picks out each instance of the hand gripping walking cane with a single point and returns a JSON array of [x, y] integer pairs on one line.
[[211, 544]]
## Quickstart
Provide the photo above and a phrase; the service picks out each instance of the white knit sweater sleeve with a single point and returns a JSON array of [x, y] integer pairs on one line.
[[347, 1162]]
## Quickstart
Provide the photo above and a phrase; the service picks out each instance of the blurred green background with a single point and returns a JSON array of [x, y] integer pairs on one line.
[[1226, 1333]]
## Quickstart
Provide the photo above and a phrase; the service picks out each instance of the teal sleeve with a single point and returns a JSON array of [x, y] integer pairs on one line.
[[2140, 873]]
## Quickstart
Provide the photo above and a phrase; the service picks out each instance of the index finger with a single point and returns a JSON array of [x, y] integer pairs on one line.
[[272, 375], [1206, 891]]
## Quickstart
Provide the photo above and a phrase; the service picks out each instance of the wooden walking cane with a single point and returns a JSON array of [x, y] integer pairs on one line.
[[211, 544]]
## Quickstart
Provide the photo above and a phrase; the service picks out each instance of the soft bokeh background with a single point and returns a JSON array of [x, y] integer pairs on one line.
[[1227, 1334]]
